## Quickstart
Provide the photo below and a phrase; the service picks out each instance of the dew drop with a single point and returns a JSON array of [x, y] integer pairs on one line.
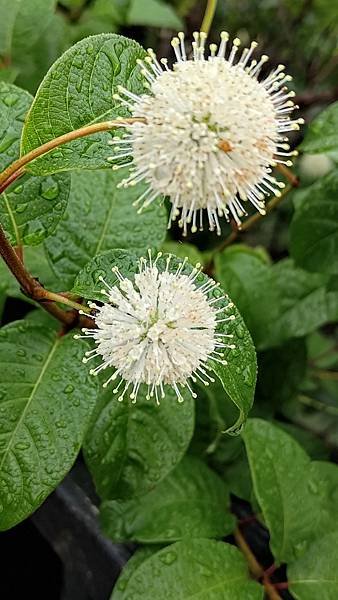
[[69, 389], [168, 558], [20, 208], [22, 445], [48, 191], [10, 99]]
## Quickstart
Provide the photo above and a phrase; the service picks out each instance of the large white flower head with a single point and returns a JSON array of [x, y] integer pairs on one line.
[[210, 134], [162, 328]]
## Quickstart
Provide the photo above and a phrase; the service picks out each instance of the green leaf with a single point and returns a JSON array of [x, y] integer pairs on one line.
[[305, 303], [314, 575], [131, 447], [192, 501], [18, 24], [322, 134], [247, 278], [193, 569], [46, 399], [297, 497], [53, 41], [108, 220], [129, 569], [277, 302], [31, 211], [14, 104], [153, 13], [238, 377], [313, 445], [314, 227], [77, 91]]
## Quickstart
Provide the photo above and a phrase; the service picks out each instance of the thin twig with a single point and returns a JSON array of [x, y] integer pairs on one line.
[[255, 568], [318, 405], [251, 221], [324, 374], [288, 174], [208, 16]]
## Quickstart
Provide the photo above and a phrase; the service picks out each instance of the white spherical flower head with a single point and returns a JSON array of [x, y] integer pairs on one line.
[[160, 329], [211, 131]]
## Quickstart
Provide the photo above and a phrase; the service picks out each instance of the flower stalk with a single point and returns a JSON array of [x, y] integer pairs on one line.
[[208, 15], [16, 169]]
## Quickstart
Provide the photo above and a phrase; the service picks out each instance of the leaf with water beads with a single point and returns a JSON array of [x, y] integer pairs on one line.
[[196, 568], [78, 91], [192, 501], [30, 211], [46, 399], [130, 448], [282, 474]]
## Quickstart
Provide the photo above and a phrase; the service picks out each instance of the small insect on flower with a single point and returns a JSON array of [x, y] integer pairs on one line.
[[211, 130], [165, 327]]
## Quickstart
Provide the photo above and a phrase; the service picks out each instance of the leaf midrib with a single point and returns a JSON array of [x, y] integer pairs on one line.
[[30, 399], [12, 219]]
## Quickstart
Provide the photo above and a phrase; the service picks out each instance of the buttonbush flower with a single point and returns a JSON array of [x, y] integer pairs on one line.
[[213, 129], [164, 327]]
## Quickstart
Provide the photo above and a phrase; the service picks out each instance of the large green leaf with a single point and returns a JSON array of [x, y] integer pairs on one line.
[[322, 135], [131, 447], [247, 278], [21, 24], [192, 569], [53, 41], [31, 211], [46, 399], [314, 227], [277, 302], [153, 13], [314, 575], [238, 377], [192, 501], [305, 303], [297, 497], [108, 220], [77, 91]]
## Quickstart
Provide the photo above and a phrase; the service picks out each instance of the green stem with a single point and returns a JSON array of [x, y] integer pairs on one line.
[[318, 405], [326, 375], [62, 299], [208, 16]]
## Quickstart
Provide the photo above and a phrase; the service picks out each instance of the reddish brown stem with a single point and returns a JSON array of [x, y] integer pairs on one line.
[[11, 179], [34, 290]]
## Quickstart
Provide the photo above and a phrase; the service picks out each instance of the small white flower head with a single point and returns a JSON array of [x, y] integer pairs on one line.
[[165, 327], [212, 131]]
